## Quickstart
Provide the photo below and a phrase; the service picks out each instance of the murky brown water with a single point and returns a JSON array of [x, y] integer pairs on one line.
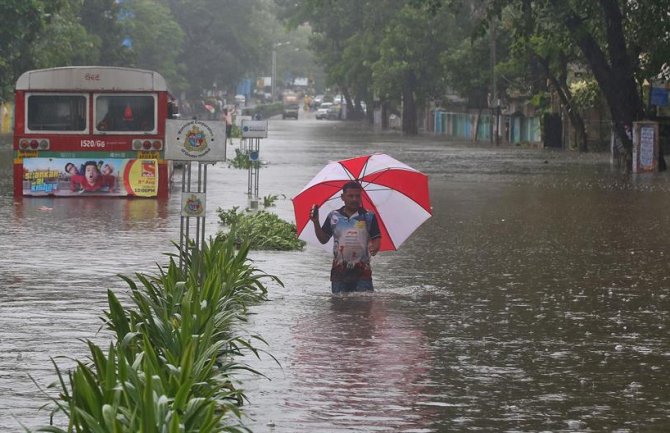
[[536, 298]]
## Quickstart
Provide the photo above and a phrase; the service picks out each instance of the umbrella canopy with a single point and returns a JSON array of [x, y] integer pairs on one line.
[[394, 191]]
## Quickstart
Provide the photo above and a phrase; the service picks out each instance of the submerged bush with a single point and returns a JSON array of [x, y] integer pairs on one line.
[[241, 160], [262, 230], [172, 366]]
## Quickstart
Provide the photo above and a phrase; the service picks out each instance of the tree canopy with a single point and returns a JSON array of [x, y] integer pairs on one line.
[[198, 45], [399, 55]]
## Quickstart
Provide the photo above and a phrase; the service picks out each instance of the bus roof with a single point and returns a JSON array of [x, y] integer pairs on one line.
[[91, 78]]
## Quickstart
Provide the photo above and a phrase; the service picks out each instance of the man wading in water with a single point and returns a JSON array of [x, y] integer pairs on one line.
[[356, 237]]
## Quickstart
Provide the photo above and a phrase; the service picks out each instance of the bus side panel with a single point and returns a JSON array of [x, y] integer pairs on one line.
[[18, 179], [163, 180], [163, 165]]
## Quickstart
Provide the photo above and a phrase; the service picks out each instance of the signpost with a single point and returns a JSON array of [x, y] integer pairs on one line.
[[252, 133], [645, 147], [190, 141]]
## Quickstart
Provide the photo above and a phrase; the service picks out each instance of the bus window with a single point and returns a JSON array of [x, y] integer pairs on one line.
[[123, 113], [56, 113]]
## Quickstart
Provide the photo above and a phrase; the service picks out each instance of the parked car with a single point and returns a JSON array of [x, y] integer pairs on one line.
[[322, 112]]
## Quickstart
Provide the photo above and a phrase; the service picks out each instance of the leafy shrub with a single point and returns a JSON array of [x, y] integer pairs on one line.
[[172, 366], [262, 230], [241, 160]]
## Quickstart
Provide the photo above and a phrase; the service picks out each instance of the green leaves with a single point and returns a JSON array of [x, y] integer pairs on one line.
[[261, 230], [172, 366]]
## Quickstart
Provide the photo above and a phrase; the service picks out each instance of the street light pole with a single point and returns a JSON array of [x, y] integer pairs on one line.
[[274, 66], [274, 70]]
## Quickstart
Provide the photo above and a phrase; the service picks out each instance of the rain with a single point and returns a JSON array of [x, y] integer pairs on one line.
[[534, 299]]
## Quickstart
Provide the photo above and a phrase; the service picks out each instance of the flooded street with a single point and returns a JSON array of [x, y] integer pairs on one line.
[[535, 299]]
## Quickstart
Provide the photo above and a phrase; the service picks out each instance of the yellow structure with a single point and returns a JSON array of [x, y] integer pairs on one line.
[[6, 117]]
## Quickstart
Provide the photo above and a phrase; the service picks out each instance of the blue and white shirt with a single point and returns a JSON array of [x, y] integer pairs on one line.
[[351, 235]]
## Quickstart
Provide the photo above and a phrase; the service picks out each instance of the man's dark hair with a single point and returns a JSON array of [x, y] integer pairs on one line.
[[93, 163], [352, 184]]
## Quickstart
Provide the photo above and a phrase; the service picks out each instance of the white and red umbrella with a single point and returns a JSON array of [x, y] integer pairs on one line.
[[394, 191]]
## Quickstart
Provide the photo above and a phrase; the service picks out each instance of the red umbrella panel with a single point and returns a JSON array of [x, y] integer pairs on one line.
[[394, 191]]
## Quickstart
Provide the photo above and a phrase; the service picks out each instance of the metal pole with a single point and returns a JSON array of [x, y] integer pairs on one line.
[[181, 223], [257, 164], [197, 219], [249, 176], [204, 189], [274, 71], [188, 219]]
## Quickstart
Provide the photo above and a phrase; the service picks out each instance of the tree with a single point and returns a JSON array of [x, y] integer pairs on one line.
[[220, 43], [542, 52], [21, 24], [68, 42], [103, 21], [384, 47], [156, 40], [611, 35]]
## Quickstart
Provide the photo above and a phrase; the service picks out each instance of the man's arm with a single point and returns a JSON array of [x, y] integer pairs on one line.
[[321, 235], [374, 245]]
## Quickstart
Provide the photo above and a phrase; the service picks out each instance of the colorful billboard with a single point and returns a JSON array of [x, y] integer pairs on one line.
[[82, 176]]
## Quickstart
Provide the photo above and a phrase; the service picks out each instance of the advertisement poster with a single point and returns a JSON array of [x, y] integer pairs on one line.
[[81, 176]]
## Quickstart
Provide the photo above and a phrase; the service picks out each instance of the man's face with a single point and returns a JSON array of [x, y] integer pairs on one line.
[[91, 174], [352, 198]]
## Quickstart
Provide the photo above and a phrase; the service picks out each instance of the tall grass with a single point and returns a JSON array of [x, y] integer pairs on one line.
[[172, 366]]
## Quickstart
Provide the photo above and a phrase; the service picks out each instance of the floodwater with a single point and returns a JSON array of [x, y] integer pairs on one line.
[[535, 299]]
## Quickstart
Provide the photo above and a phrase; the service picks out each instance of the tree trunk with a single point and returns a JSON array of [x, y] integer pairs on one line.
[[409, 123], [349, 103], [576, 120], [614, 73], [370, 110]]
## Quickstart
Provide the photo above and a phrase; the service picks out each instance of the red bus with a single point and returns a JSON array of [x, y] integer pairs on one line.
[[91, 131]]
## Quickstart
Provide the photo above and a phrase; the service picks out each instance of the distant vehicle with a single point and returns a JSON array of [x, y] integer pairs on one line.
[[338, 99], [290, 111], [322, 112], [318, 100], [240, 100]]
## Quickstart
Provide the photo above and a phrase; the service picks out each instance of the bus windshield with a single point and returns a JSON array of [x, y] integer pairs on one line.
[[123, 113], [57, 113]]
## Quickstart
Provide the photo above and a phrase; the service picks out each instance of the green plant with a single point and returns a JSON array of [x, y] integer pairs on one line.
[[262, 230], [172, 367], [241, 160], [269, 200]]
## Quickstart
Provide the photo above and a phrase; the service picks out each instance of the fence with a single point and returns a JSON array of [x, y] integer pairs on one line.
[[514, 128]]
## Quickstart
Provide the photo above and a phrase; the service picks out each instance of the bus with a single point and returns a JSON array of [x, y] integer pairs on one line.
[[91, 130]]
